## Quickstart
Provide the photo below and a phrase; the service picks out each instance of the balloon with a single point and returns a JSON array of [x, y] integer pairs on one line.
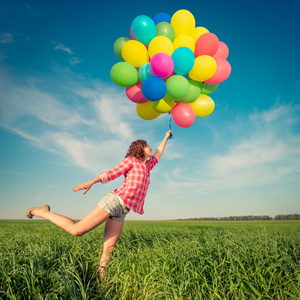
[[124, 74], [118, 46], [183, 21], [143, 28], [207, 44], [164, 105], [161, 17], [145, 72], [177, 87], [198, 31], [160, 44], [222, 51], [131, 34], [162, 65], [183, 115], [222, 73], [146, 112], [135, 53], [170, 65], [154, 88], [193, 93], [204, 68], [207, 89], [134, 93], [203, 106], [184, 59], [184, 40], [165, 29]]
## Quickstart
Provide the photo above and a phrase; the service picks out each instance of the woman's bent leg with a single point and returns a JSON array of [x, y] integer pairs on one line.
[[112, 232], [89, 222]]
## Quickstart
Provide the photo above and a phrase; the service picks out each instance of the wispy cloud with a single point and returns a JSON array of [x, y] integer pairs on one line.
[[63, 48], [269, 152], [73, 60], [82, 125], [6, 38]]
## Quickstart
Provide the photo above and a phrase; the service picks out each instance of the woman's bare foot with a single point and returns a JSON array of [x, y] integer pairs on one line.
[[37, 211]]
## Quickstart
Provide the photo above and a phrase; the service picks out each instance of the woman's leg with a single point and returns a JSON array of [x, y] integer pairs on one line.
[[112, 232], [92, 220]]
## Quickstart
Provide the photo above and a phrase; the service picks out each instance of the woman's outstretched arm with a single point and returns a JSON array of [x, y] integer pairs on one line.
[[159, 151], [87, 185]]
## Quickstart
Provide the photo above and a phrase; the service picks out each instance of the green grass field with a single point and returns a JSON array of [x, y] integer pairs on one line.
[[153, 260]]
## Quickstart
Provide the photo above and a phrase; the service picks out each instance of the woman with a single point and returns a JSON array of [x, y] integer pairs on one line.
[[113, 207]]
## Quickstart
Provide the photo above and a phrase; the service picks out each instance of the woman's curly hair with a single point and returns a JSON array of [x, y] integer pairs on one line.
[[136, 149]]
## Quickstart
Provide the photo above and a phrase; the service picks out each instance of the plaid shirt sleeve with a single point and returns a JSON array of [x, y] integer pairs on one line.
[[151, 162], [117, 171]]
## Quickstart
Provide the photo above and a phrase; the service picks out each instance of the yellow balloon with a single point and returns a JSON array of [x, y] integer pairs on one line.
[[164, 105], [204, 68], [203, 106], [183, 21], [146, 112], [135, 53], [198, 31], [184, 40], [160, 44]]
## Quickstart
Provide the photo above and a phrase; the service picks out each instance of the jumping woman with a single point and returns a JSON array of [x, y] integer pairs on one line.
[[112, 208]]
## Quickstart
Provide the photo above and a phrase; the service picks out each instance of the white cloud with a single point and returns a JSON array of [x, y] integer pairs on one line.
[[91, 125], [6, 38], [63, 48], [267, 154]]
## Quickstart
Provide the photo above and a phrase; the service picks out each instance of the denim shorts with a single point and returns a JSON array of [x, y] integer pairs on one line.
[[112, 204]]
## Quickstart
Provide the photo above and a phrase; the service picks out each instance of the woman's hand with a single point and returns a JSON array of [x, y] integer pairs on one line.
[[169, 133], [83, 186]]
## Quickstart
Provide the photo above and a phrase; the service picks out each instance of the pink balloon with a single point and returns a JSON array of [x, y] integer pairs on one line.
[[183, 115], [222, 51], [207, 44], [134, 93], [131, 34], [162, 65], [222, 73]]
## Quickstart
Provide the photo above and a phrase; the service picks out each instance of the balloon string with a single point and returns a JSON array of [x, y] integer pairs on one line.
[[170, 128]]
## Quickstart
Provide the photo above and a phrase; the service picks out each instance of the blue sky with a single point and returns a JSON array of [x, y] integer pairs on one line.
[[63, 120]]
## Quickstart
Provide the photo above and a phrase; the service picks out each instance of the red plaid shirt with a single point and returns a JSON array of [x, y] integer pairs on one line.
[[137, 179]]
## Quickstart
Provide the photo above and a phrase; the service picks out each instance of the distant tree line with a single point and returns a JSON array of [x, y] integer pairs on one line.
[[245, 218]]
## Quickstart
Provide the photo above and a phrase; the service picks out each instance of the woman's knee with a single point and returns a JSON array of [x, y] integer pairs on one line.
[[76, 231]]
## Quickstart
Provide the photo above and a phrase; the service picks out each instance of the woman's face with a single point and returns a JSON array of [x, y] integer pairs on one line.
[[148, 151]]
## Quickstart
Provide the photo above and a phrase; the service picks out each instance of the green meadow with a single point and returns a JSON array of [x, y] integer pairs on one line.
[[153, 260]]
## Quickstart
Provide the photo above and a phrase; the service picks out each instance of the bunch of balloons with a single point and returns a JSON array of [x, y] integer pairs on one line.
[[169, 65]]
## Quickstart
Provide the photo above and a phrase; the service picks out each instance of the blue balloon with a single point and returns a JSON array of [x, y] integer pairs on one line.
[[184, 60], [144, 29], [145, 72], [154, 88], [161, 17]]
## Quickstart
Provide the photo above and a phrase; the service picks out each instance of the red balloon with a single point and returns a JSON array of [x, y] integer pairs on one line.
[[222, 73], [207, 44], [222, 51], [134, 93], [183, 115]]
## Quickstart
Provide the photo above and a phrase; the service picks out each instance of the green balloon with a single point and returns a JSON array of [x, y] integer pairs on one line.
[[177, 87], [124, 74], [165, 29], [207, 89], [118, 46], [193, 93]]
